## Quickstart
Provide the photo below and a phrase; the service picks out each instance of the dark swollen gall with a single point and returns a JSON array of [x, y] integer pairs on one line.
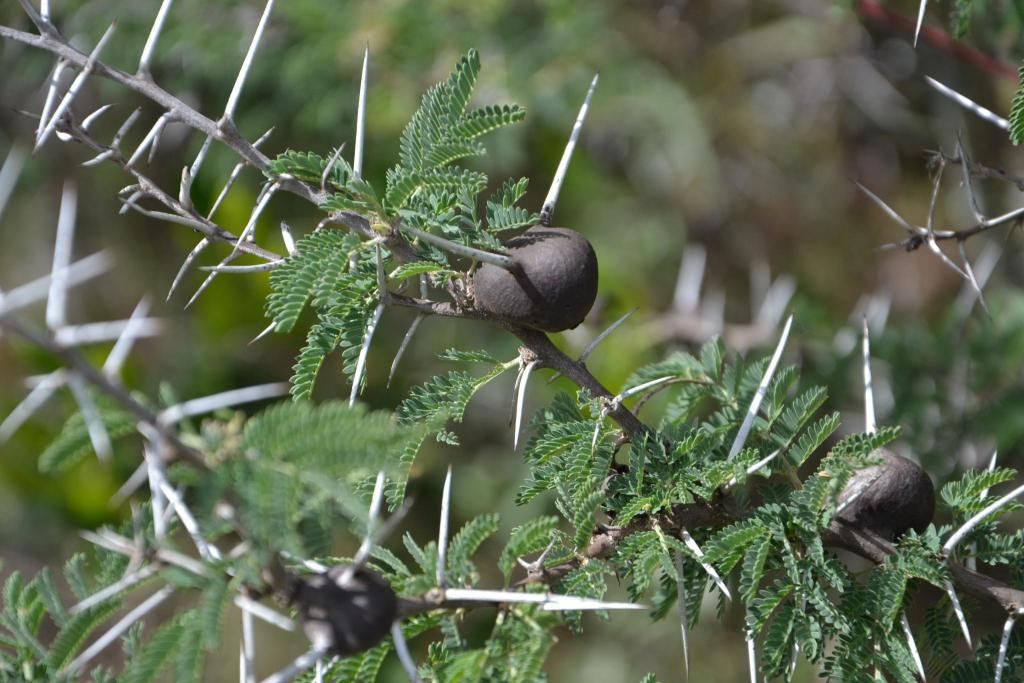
[[349, 613], [895, 496], [554, 288]]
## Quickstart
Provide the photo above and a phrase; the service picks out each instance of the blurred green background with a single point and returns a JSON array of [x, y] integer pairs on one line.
[[735, 125]]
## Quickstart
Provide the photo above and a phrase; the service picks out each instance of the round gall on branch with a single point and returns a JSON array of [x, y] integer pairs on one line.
[[889, 498], [554, 288], [349, 611]]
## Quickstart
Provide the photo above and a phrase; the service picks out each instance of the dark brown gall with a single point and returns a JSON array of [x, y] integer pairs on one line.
[[349, 615], [895, 496], [556, 284]]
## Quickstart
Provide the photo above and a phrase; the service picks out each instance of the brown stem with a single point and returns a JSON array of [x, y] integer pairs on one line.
[[875, 548], [553, 357]]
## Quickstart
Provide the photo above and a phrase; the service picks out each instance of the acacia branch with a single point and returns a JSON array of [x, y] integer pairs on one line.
[[875, 548], [552, 357], [722, 511], [183, 215], [225, 131], [74, 360]]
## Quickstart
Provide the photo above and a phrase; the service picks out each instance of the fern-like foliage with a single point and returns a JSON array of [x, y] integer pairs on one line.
[[74, 444], [337, 273], [1016, 118]]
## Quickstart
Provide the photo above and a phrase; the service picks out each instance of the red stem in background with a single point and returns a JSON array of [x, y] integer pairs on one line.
[[870, 9]]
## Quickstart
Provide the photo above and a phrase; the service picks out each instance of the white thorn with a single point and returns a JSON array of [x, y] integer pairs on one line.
[[499, 260], [196, 250], [597, 429], [207, 282], [76, 85], [151, 140], [247, 658], [357, 152], [184, 188], [692, 545], [571, 603], [225, 399], [382, 284], [983, 269], [920, 20], [206, 550], [623, 395], [243, 72], [245, 235], [933, 246], [550, 602], [366, 547], [91, 118], [56, 301], [520, 399], [30, 404], [971, 280], [130, 202], [912, 645], [77, 273], [51, 96], [250, 268], [990, 468], [264, 613], [691, 273], [974, 521], [1004, 644], [330, 166], [891, 212], [129, 487], [111, 330], [601, 337], [123, 129], [969, 104], [91, 416], [99, 159], [442, 531], [751, 655], [124, 583], [288, 238], [756, 466], [597, 340], [776, 299], [402, 650], [298, 665], [120, 627], [548, 207], [357, 376], [870, 426], [959, 611], [762, 389], [44, 10], [684, 619], [154, 34], [9, 173], [250, 226], [120, 544], [267, 330], [197, 163], [404, 345]]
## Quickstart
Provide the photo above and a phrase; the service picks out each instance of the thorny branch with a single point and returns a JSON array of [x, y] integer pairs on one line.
[[226, 132], [74, 360], [722, 510]]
